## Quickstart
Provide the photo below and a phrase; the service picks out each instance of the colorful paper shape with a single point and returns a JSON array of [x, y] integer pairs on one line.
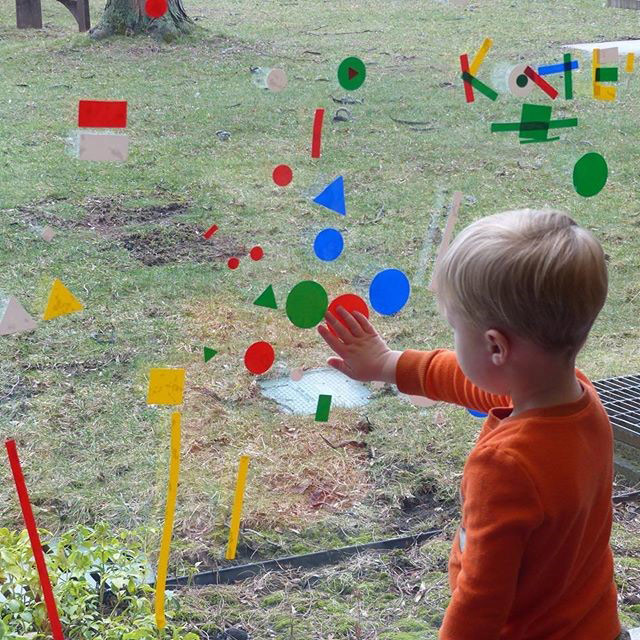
[[267, 299], [561, 67], [209, 353], [480, 86], [166, 386], [277, 80], [243, 470], [103, 147], [47, 234], [534, 124], [478, 59], [323, 408], [520, 85], [282, 175], [351, 73], [111, 114], [350, 302], [541, 82], [61, 302], [259, 357], [389, 291], [602, 56], [332, 197], [15, 319], [328, 245], [316, 138], [590, 174], [306, 304]]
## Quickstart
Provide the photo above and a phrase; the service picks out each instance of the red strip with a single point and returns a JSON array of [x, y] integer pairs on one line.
[[541, 82], [468, 89], [317, 133], [211, 231], [102, 113], [27, 514]]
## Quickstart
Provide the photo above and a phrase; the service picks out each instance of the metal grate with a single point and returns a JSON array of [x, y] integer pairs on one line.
[[621, 399]]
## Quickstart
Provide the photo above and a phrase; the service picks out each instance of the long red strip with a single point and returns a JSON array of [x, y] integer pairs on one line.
[[317, 133], [102, 113], [210, 231], [468, 89], [541, 82], [29, 521]]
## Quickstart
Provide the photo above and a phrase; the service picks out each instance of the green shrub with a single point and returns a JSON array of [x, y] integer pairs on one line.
[[99, 581]]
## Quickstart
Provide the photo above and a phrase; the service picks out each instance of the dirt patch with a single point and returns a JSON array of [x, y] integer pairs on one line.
[[181, 242]]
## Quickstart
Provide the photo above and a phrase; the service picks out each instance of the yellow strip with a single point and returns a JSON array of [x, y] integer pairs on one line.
[[479, 57], [163, 561], [630, 60], [237, 507]]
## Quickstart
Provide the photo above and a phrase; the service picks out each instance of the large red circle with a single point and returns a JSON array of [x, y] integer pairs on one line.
[[259, 357], [351, 302], [282, 175], [156, 8]]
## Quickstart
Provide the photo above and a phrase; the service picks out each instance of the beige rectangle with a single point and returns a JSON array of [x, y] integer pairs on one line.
[[609, 55], [103, 147], [448, 233]]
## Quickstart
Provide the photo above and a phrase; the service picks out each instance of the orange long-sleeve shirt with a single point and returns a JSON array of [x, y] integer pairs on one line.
[[531, 559]]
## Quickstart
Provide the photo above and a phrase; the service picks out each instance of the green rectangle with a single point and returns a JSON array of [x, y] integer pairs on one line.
[[607, 74], [323, 408], [568, 78], [480, 86]]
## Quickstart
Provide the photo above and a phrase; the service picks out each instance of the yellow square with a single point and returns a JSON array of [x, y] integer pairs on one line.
[[166, 386]]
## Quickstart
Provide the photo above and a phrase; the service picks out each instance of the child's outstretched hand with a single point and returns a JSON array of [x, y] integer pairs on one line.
[[364, 355]]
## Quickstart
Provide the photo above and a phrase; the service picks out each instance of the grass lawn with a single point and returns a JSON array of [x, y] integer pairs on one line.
[[129, 245]]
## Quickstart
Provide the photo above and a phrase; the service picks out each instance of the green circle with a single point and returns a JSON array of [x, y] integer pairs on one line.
[[522, 81], [590, 174], [351, 73], [307, 303]]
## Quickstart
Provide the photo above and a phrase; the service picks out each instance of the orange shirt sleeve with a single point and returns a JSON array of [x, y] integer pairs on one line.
[[437, 375]]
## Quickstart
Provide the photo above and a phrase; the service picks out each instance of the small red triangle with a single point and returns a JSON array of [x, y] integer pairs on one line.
[[352, 73]]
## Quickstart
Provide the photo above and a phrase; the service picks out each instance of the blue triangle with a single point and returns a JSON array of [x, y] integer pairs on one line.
[[332, 197]]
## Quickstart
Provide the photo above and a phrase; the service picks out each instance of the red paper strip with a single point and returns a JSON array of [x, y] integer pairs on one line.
[[317, 133], [541, 82], [468, 89], [30, 523], [102, 113], [210, 231]]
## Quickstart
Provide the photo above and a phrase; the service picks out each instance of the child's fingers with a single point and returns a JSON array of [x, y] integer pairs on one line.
[[364, 322], [342, 331], [340, 365], [331, 340], [351, 322]]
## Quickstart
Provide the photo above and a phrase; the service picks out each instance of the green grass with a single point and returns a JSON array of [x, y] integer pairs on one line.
[[75, 401]]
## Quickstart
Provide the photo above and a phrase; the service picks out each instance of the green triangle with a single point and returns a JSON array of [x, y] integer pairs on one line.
[[209, 353], [267, 299]]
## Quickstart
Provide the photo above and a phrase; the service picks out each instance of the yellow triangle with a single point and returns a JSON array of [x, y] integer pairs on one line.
[[61, 301]]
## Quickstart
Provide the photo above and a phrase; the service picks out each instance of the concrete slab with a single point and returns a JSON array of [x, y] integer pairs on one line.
[[301, 397], [624, 46], [635, 633]]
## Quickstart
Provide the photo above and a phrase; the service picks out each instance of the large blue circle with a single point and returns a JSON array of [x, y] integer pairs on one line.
[[328, 244], [389, 291]]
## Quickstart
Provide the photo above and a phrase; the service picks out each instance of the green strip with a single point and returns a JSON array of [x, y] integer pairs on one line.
[[497, 127], [542, 140], [563, 124], [480, 86], [324, 405], [568, 79]]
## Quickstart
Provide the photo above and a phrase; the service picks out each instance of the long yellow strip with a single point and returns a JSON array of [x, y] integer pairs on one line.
[[479, 57], [630, 60], [237, 507], [163, 561]]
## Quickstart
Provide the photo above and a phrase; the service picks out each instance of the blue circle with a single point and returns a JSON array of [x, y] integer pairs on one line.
[[477, 414], [328, 244], [389, 291]]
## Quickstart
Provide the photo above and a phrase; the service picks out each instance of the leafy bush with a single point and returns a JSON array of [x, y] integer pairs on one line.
[[99, 582]]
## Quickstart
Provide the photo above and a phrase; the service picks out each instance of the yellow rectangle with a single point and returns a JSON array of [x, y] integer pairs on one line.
[[479, 57], [237, 507], [166, 386], [631, 58]]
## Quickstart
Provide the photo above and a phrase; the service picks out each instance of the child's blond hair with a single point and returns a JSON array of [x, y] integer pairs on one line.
[[536, 272]]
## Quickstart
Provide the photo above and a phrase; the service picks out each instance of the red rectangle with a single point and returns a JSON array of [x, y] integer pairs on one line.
[[102, 113], [210, 231], [541, 82], [468, 89]]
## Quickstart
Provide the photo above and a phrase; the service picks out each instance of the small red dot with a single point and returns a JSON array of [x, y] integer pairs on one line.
[[282, 175], [233, 263], [256, 253]]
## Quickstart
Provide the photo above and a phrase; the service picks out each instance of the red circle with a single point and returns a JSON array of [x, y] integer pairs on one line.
[[156, 8], [351, 302], [259, 357], [282, 175], [233, 263], [256, 253]]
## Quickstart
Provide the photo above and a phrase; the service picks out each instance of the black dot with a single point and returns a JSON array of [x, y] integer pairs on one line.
[[522, 80]]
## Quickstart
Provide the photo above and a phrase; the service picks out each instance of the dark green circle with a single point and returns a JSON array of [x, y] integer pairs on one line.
[[355, 82], [590, 174], [522, 80], [307, 303]]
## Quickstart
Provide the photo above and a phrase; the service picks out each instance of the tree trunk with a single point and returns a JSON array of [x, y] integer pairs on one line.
[[128, 17]]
